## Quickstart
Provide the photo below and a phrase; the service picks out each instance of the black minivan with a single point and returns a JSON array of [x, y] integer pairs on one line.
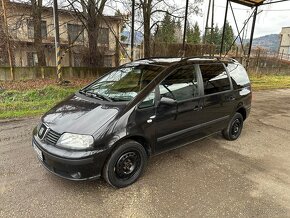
[[112, 126]]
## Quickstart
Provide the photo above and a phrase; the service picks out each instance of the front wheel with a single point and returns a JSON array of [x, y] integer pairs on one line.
[[125, 164], [234, 128]]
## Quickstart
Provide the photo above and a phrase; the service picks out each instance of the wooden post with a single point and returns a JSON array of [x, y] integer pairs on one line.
[[7, 39]]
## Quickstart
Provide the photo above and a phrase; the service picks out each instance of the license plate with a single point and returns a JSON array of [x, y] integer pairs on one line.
[[38, 152]]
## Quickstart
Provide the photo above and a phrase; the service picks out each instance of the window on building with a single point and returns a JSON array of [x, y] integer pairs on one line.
[[30, 29], [103, 37], [32, 59], [13, 29], [215, 78], [78, 60], [75, 32]]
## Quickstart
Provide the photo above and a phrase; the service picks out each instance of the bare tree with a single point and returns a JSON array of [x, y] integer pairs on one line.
[[5, 33], [151, 13], [36, 19], [3, 37], [90, 13]]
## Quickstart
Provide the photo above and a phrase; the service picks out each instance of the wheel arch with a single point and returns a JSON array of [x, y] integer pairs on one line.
[[243, 112], [138, 138]]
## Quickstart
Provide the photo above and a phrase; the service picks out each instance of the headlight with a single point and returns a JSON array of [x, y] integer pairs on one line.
[[75, 141]]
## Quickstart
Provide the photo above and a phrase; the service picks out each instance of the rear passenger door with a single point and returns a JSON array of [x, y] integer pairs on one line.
[[218, 97]]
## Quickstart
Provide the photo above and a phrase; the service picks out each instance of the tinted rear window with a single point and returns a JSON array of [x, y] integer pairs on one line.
[[215, 78], [239, 75]]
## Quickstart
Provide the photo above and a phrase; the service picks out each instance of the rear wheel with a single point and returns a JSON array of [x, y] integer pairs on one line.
[[234, 128], [125, 164]]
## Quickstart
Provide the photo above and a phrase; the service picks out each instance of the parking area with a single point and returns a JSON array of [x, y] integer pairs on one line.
[[249, 177]]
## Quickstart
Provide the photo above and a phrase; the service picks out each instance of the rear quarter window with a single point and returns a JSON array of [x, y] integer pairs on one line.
[[215, 78], [238, 75]]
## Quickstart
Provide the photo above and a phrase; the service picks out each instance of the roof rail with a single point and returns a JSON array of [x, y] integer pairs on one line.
[[209, 57], [218, 58]]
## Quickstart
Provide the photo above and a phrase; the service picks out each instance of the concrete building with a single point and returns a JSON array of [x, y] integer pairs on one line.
[[285, 41], [21, 33]]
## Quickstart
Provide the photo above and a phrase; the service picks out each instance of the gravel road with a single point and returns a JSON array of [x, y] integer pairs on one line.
[[249, 177]]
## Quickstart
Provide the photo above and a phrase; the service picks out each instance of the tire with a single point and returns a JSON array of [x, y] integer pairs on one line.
[[234, 128], [125, 165]]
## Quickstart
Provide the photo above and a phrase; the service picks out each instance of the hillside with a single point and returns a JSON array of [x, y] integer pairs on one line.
[[138, 37], [270, 42]]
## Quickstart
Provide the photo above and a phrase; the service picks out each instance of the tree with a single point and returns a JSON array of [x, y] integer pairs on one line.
[[228, 37], [91, 16], [166, 32], [216, 39], [146, 7], [193, 34], [36, 20], [123, 38], [150, 8]]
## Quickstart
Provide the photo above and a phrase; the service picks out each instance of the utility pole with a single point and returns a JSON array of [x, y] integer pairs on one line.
[[132, 30], [206, 25], [212, 22], [6, 31], [224, 29], [57, 41], [185, 27]]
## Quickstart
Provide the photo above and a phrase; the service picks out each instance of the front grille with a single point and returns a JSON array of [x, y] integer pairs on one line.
[[51, 137]]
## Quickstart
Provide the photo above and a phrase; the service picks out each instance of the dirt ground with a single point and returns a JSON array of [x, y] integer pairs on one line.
[[249, 177]]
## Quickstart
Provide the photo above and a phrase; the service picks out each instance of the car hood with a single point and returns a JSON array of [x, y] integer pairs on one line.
[[82, 115]]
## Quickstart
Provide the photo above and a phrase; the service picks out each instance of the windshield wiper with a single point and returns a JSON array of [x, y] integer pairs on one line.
[[96, 95], [120, 99]]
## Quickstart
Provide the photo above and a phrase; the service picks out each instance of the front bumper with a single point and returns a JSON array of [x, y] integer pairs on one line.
[[72, 165]]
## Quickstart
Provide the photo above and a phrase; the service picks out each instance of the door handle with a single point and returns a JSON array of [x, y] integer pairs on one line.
[[232, 98], [197, 108], [151, 119]]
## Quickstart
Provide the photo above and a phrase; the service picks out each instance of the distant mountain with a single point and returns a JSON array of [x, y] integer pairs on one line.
[[270, 42], [138, 37]]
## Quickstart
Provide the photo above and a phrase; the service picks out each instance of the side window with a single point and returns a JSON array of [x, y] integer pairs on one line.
[[149, 101], [180, 85], [215, 78], [238, 75]]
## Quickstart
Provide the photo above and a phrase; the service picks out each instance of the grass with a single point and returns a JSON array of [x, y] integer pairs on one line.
[[33, 102], [26, 102], [270, 81]]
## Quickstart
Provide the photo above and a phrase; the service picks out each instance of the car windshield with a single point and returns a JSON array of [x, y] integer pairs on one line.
[[123, 84]]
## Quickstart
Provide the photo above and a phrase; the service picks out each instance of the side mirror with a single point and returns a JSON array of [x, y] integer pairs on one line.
[[167, 101]]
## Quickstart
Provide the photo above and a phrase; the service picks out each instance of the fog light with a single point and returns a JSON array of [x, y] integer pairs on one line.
[[76, 175]]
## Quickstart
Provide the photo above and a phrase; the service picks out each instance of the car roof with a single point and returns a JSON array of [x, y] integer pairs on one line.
[[166, 61]]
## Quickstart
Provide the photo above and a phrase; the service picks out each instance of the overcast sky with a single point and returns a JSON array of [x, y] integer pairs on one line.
[[270, 21]]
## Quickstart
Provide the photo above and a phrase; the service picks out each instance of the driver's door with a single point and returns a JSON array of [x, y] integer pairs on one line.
[[177, 122]]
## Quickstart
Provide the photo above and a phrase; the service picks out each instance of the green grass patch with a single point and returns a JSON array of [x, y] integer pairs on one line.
[[31, 102], [270, 81]]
